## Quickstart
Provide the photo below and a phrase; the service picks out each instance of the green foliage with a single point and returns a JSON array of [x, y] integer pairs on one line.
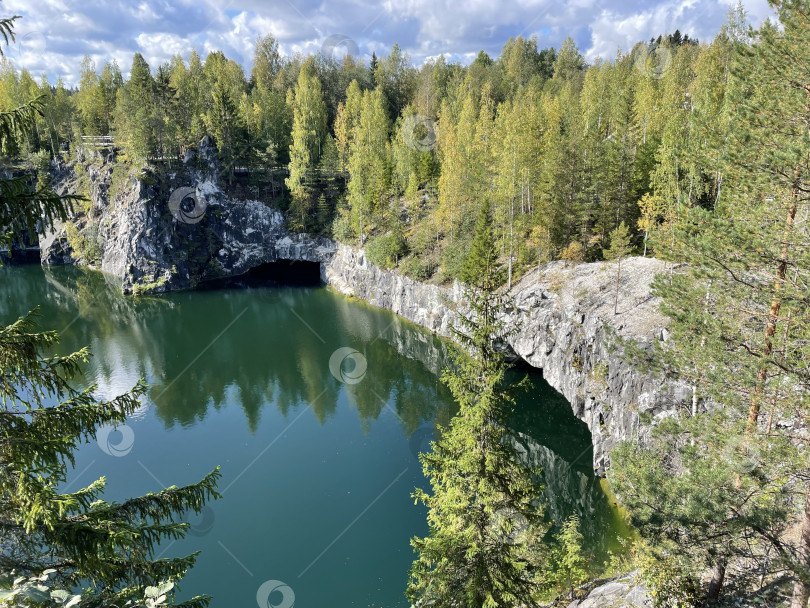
[[308, 129], [387, 249], [418, 267], [563, 151], [84, 243], [484, 515], [721, 487], [672, 582], [77, 534], [619, 244], [570, 565], [480, 270], [35, 591], [368, 164], [57, 541], [705, 491]]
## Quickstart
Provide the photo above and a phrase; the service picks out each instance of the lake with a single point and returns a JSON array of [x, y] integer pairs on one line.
[[314, 405]]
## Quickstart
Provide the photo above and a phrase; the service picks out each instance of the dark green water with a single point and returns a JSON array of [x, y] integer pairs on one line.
[[317, 472]]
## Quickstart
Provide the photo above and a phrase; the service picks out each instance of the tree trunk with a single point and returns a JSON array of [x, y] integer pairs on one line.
[[716, 584], [773, 315], [511, 239], [801, 591]]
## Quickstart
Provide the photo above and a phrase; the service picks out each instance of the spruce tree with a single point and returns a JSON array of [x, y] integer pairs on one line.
[[55, 542], [484, 514]]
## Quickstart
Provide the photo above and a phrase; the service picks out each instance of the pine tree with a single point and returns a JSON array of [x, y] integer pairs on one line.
[[484, 514], [739, 331]]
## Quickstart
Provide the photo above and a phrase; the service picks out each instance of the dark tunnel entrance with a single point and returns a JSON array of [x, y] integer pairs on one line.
[[279, 273]]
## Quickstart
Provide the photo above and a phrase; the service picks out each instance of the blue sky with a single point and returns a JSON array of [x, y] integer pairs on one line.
[[54, 35]]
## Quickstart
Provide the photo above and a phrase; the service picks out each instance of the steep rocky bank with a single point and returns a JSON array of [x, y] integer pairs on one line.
[[562, 315], [562, 322]]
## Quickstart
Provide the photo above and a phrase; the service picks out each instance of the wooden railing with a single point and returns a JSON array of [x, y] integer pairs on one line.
[[98, 141]]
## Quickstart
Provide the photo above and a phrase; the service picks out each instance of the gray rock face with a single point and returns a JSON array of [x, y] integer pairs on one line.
[[623, 592], [155, 248], [562, 316], [563, 324]]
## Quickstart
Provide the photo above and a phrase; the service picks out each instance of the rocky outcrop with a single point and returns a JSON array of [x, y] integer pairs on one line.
[[161, 233], [623, 592], [561, 321], [172, 230]]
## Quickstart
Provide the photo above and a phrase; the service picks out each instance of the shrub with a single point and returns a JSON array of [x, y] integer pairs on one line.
[[573, 253], [387, 249], [419, 267]]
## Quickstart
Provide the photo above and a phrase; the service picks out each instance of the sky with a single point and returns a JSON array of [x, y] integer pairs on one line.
[[54, 35]]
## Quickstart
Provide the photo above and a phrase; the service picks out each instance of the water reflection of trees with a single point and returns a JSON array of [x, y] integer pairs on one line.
[[267, 356], [549, 437]]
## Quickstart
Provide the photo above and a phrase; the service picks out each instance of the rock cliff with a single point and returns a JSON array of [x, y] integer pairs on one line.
[[562, 322], [562, 316]]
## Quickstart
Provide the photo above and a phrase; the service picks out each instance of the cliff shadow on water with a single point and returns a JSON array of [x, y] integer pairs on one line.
[[548, 436], [281, 273]]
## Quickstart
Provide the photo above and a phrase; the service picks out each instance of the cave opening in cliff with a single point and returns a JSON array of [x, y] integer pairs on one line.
[[280, 273]]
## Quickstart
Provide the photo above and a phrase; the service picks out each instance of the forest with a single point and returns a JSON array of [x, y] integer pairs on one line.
[[398, 158], [697, 153]]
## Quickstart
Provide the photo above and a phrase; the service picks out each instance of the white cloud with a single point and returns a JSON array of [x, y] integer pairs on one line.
[[55, 34]]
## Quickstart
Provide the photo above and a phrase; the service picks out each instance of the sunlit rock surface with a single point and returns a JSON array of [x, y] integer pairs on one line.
[[562, 316]]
